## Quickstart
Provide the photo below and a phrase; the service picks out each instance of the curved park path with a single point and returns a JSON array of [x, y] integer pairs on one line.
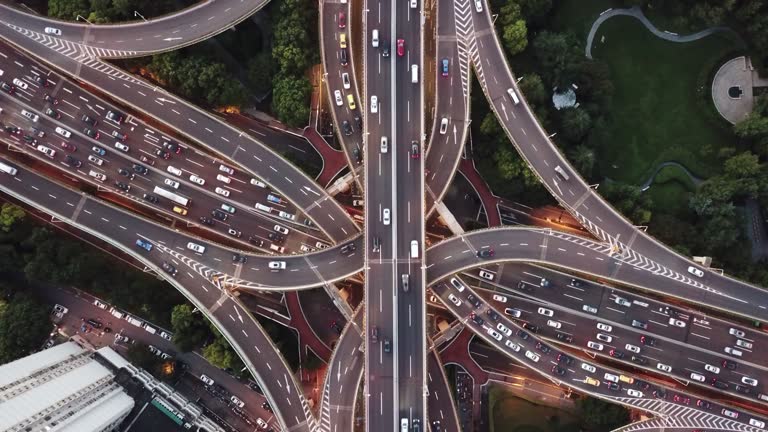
[[696, 180], [636, 12]]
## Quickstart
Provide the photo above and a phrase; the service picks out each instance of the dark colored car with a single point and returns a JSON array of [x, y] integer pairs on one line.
[[141, 169], [162, 154], [72, 161], [356, 155], [685, 400], [703, 404], [474, 300], [91, 133], [171, 270], [576, 283], [151, 198], [374, 334], [275, 237], [523, 335], [50, 112], [50, 99], [237, 258], [616, 353], [125, 173], [565, 337], [557, 370], [255, 240], [41, 80], [343, 56], [613, 386], [492, 314], [522, 286], [639, 359], [265, 406], [486, 253], [172, 147], [387, 345], [476, 319], [743, 389], [218, 214], [660, 393], [206, 221], [119, 135], [89, 120], [564, 358], [346, 128], [415, 151], [347, 248], [444, 67], [385, 48], [642, 385], [543, 348], [729, 364], [722, 385], [532, 327], [122, 186], [7, 87], [13, 130], [647, 340]]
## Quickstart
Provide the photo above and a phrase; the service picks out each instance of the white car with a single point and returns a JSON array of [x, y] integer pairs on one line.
[[455, 300], [32, 116], [384, 144], [513, 312], [694, 271], [494, 334], [443, 126], [385, 216], [595, 345], [414, 4], [546, 312], [281, 229], [604, 327], [223, 178], [532, 355], [588, 367], [457, 284], [486, 275], [604, 337], [45, 150], [500, 298], [663, 367], [513, 346], [676, 323], [20, 84], [204, 378], [173, 170], [121, 146], [165, 335], [277, 265], [757, 423], [744, 344], [554, 324], [504, 329], [99, 305], [95, 160], [590, 309], [374, 104], [633, 348], [52, 31], [729, 413], [713, 369], [478, 6], [339, 99], [736, 332], [195, 179], [621, 301], [226, 169], [172, 183], [237, 401], [749, 381], [635, 393], [196, 247], [258, 183], [345, 80], [221, 191]]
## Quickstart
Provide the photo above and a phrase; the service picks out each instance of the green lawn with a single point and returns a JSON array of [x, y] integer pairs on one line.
[[512, 414], [578, 15], [660, 110]]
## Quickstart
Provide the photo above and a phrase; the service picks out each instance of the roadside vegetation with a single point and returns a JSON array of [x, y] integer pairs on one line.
[[642, 101]]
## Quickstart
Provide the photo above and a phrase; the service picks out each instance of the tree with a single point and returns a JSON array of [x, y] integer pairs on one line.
[[9, 214], [140, 356], [575, 123], [602, 415], [535, 9], [515, 37], [260, 73], [533, 89], [629, 200], [509, 14], [189, 330], [24, 325], [554, 52], [754, 126], [583, 158], [290, 100], [68, 9]]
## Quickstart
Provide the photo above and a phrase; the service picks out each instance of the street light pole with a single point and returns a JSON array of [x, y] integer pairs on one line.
[[79, 17], [137, 14]]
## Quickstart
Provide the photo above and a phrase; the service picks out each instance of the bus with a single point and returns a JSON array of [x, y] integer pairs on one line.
[[178, 199], [8, 169]]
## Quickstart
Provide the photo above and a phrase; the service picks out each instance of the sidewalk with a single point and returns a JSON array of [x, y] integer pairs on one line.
[[333, 160], [307, 336], [489, 200]]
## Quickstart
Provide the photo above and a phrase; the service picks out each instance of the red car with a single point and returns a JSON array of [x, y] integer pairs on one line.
[[682, 399], [401, 47], [68, 147], [342, 20]]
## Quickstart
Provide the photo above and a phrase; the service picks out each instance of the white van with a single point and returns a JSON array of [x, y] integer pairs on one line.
[[563, 175], [513, 96], [116, 313], [375, 38], [148, 328], [133, 321], [63, 132], [262, 207], [403, 424], [414, 249], [414, 74], [732, 351], [97, 175]]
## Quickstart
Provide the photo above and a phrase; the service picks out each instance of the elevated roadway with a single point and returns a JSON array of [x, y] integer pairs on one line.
[[633, 245]]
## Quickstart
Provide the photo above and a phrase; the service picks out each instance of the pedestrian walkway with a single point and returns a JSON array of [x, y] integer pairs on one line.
[[333, 160], [733, 89], [489, 200], [307, 336], [636, 12]]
